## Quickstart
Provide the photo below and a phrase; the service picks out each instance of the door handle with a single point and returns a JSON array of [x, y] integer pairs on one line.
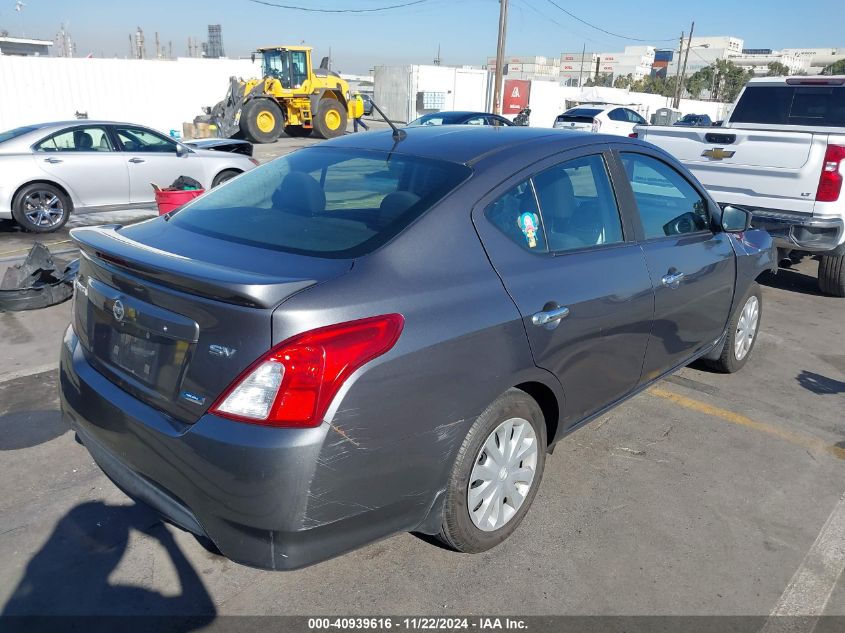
[[52, 161], [136, 160], [672, 280], [545, 317]]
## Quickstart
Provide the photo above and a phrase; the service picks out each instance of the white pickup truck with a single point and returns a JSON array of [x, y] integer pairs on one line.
[[780, 154]]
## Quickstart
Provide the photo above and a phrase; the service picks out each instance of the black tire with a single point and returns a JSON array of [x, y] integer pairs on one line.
[[459, 531], [223, 176], [261, 121], [331, 119], [23, 204], [832, 275], [297, 131], [728, 363]]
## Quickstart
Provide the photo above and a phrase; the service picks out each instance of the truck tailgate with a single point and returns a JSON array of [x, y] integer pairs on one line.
[[753, 168]]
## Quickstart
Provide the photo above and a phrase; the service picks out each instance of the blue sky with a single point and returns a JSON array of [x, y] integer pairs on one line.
[[465, 29]]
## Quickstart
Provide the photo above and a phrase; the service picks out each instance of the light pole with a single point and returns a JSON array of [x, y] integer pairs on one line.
[[500, 56]]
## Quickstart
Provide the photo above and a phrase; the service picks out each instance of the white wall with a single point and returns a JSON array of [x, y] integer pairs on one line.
[[160, 94]]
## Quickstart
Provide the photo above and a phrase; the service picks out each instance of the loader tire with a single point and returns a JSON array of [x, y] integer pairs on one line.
[[261, 121], [297, 131], [832, 275], [331, 119]]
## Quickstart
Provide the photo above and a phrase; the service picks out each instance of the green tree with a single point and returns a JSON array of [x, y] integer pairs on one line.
[[776, 69], [700, 81], [623, 81], [836, 68]]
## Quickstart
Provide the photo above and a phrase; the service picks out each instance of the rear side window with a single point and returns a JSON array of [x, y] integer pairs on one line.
[[323, 202], [516, 215], [667, 202], [822, 106], [578, 206], [89, 139]]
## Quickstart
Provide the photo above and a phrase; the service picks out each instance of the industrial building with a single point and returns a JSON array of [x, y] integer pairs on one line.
[[24, 47]]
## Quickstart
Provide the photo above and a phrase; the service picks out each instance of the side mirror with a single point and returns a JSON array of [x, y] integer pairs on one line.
[[181, 150], [735, 219]]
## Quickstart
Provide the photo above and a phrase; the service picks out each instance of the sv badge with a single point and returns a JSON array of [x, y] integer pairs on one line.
[[222, 351]]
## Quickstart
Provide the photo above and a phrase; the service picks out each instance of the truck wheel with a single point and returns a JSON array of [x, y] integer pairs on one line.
[[297, 131], [41, 208], [496, 474], [331, 119], [742, 333], [261, 121], [832, 275]]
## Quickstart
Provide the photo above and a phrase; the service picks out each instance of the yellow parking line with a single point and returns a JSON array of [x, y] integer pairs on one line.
[[799, 439], [26, 249]]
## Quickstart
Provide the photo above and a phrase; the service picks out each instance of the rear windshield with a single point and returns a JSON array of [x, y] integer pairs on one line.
[[822, 106], [18, 131], [322, 201], [587, 113]]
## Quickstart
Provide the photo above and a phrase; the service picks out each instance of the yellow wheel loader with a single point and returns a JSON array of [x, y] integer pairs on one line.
[[292, 96]]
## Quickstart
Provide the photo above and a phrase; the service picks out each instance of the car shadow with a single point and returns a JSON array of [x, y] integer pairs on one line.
[[793, 280], [819, 384], [69, 576]]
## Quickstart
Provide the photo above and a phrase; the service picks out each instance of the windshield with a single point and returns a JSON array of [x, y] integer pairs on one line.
[[18, 131], [323, 202]]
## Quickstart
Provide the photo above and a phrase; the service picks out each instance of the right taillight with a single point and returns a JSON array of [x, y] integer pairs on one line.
[[830, 182], [294, 383]]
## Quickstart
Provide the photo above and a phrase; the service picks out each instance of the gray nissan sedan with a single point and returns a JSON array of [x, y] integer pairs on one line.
[[389, 332]]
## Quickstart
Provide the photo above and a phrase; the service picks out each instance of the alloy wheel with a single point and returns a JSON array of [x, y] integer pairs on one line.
[[43, 208], [746, 327]]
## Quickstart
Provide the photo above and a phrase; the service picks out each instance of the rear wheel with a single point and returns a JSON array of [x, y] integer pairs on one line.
[[261, 121], [331, 119], [297, 131], [742, 333], [41, 208], [496, 474], [832, 275]]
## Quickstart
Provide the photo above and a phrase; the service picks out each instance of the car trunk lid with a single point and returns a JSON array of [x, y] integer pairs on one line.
[[172, 317]]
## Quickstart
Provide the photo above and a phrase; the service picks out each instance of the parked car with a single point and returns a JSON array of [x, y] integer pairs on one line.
[[387, 332], [368, 104], [694, 120], [607, 119], [50, 170], [781, 154], [461, 118]]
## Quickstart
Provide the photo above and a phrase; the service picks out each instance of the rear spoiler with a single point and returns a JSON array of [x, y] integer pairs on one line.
[[107, 248]]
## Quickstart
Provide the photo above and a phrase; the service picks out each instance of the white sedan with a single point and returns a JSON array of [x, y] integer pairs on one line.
[[49, 170], [607, 119]]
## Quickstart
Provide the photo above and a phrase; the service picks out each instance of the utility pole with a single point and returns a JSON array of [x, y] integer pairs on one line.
[[581, 72], [500, 56], [678, 71], [679, 88]]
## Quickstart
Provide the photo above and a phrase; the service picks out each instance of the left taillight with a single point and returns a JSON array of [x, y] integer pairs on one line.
[[294, 383]]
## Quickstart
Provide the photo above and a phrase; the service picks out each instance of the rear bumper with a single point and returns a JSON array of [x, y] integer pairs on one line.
[[245, 487], [800, 231]]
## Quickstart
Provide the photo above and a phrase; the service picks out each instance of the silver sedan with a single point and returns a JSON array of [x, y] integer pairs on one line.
[[49, 170]]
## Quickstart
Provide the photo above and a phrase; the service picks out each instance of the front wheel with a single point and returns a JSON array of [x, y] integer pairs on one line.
[[832, 275], [496, 474], [223, 176], [261, 121], [742, 333]]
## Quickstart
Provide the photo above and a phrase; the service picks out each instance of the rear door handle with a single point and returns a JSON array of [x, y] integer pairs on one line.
[[136, 160], [672, 280], [546, 317], [52, 161]]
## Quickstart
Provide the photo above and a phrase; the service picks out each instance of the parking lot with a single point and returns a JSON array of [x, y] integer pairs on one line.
[[708, 494]]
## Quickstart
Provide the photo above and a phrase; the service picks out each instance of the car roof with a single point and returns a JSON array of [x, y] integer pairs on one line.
[[454, 114], [466, 144]]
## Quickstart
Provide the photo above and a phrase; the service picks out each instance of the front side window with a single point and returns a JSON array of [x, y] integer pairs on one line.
[[140, 140], [89, 139], [298, 68], [667, 202], [578, 205], [323, 202], [633, 117]]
